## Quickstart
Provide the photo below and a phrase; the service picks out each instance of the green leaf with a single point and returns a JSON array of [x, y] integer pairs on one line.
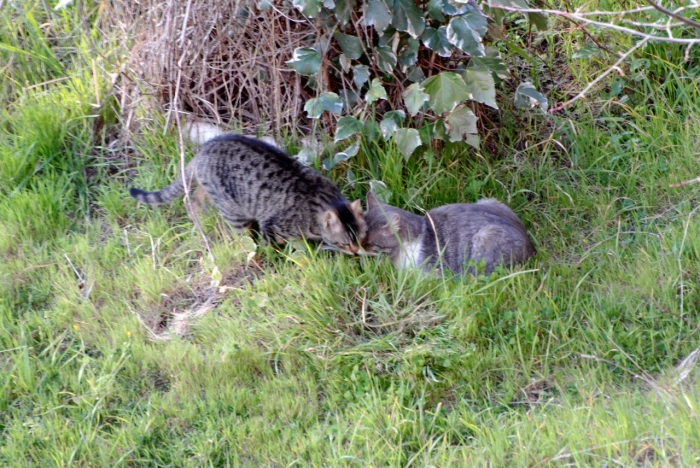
[[414, 98], [464, 33], [371, 130], [415, 74], [376, 91], [360, 75], [343, 10], [377, 15], [407, 17], [305, 61], [526, 97], [347, 127], [345, 62], [481, 84], [407, 139], [436, 40], [445, 90], [408, 54], [344, 155], [325, 102], [462, 123], [509, 3], [309, 8], [306, 156], [380, 189], [454, 7], [539, 20], [435, 10], [493, 62], [391, 122], [386, 59], [351, 45]]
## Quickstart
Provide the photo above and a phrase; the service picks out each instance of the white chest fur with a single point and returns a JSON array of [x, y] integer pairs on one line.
[[410, 255]]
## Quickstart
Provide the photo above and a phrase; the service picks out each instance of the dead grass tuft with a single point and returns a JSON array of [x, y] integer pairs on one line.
[[222, 62]]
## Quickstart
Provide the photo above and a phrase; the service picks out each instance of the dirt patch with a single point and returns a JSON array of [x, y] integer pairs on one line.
[[179, 308]]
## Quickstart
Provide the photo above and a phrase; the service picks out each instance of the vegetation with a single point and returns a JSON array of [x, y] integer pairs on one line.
[[124, 343]]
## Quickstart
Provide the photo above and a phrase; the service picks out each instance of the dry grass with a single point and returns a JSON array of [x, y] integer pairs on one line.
[[221, 62]]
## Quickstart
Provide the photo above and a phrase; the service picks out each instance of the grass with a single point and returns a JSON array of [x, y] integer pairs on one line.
[[122, 343]]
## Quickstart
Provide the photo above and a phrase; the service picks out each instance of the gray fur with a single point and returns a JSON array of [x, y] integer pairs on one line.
[[449, 236], [256, 185]]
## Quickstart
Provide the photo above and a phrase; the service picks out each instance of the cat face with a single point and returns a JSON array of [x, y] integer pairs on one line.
[[383, 223], [344, 228]]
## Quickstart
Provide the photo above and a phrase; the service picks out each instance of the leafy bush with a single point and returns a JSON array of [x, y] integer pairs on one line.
[[413, 67]]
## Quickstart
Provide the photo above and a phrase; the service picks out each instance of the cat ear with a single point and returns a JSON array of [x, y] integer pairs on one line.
[[372, 201], [356, 208], [395, 222], [331, 220]]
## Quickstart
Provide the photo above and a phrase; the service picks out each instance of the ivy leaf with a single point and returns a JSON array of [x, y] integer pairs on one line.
[[344, 155], [413, 98], [454, 7], [415, 74], [407, 17], [305, 61], [408, 55], [264, 5], [351, 45], [462, 122], [482, 86], [407, 139], [343, 10], [436, 40], [375, 92], [509, 3], [309, 8], [371, 130], [435, 10], [347, 127], [345, 62], [539, 20], [360, 75], [526, 97], [380, 189], [325, 102], [306, 156], [445, 90], [391, 122], [491, 61], [463, 33], [386, 59], [377, 15]]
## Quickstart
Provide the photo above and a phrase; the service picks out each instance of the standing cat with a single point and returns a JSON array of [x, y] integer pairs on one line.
[[257, 186], [451, 235]]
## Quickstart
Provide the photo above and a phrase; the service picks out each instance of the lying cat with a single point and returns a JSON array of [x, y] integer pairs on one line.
[[447, 237], [257, 186]]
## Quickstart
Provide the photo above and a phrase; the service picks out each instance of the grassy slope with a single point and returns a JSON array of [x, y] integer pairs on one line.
[[334, 360]]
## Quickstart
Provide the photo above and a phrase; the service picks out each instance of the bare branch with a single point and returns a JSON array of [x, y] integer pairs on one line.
[[584, 18], [672, 14], [615, 66]]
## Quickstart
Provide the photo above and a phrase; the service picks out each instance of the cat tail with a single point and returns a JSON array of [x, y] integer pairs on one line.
[[166, 194]]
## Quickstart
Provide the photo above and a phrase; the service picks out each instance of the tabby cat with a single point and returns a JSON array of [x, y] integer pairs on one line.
[[448, 237], [257, 186]]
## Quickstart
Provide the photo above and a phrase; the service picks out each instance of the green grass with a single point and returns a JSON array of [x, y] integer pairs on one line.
[[123, 343]]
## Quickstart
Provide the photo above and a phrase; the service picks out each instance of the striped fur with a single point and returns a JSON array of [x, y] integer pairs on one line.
[[253, 183]]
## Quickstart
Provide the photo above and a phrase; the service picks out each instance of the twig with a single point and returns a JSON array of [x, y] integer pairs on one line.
[[672, 14], [583, 17], [615, 66], [685, 182]]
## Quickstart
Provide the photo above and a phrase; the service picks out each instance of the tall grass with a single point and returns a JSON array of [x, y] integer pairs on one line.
[[122, 342]]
